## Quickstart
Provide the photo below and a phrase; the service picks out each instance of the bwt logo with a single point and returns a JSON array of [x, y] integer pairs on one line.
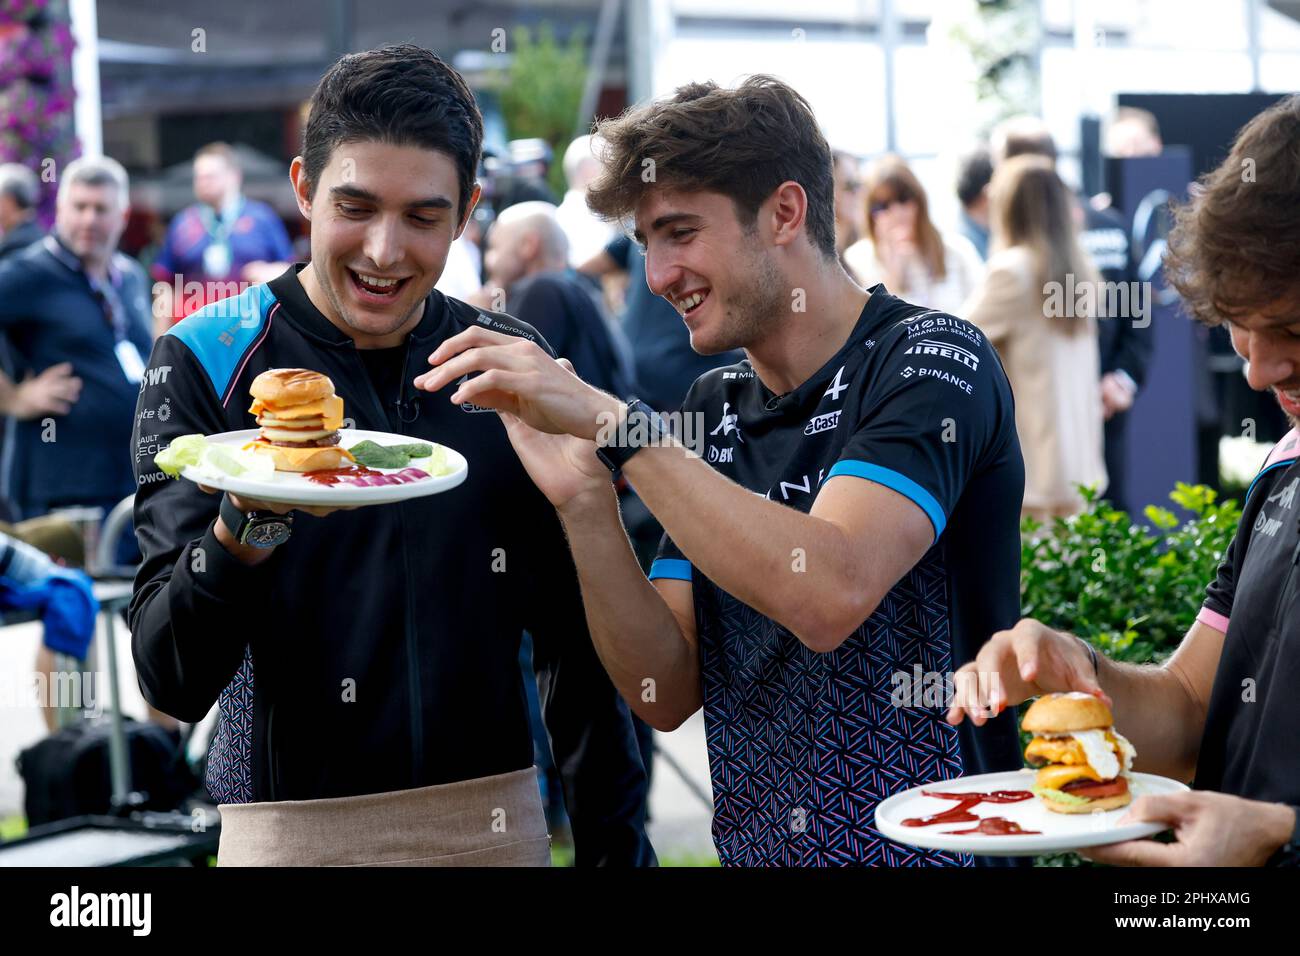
[[155, 376], [103, 909]]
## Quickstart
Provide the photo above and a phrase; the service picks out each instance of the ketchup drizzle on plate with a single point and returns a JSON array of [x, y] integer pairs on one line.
[[960, 813]]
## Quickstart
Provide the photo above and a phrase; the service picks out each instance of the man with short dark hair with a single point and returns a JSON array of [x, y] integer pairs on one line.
[[853, 524], [371, 710], [973, 177], [20, 191]]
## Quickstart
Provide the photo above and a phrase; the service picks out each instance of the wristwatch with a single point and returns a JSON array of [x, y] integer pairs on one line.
[[257, 529], [642, 426], [1288, 854]]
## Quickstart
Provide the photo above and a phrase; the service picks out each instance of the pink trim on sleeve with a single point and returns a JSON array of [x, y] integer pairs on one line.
[[1213, 619]]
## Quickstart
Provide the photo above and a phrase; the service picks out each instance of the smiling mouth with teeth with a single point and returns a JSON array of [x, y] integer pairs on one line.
[[692, 302], [376, 285]]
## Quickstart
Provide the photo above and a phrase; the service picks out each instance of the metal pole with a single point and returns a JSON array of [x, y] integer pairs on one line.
[[119, 758], [86, 117], [600, 46], [1252, 35], [888, 40]]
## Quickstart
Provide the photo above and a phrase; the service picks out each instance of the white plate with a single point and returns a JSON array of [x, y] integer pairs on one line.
[[1057, 832], [292, 488]]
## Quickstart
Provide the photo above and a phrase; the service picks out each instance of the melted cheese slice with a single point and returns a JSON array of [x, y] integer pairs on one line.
[[330, 409], [1058, 775], [297, 455]]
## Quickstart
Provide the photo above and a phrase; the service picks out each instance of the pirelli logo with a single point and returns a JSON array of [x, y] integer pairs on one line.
[[946, 350]]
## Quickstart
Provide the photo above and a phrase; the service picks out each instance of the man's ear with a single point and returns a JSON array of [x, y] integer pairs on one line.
[[789, 212], [302, 189], [469, 210]]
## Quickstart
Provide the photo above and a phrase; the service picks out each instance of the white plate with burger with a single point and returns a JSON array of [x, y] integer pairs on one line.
[[1082, 788], [302, 455]]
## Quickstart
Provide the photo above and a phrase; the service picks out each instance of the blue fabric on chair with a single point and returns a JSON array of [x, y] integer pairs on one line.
[[66, 603]]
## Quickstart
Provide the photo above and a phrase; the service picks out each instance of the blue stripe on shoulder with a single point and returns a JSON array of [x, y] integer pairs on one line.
[[1277, 464], [220, 333], [674, 568]]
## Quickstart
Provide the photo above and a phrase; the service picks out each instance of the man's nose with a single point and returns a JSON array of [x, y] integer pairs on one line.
[[1266, 364], [661, 273], [382, 245]]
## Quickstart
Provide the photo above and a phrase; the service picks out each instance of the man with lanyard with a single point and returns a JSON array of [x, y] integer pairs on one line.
[[850, 523], [1222, 712], [222, 242], [371, 708], [76, 314]]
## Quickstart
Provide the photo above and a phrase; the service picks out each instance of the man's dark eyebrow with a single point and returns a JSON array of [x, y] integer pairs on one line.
[[365, 195], [667, 219]]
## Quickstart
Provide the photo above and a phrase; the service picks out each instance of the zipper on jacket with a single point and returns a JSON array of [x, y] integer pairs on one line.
[[414, 697]]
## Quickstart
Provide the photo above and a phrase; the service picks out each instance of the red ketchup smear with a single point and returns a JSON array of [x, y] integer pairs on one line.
[[961, 812], [362, 476], [996, 826]]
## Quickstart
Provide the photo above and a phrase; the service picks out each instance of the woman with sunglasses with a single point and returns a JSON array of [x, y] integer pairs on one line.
[[904, 250]]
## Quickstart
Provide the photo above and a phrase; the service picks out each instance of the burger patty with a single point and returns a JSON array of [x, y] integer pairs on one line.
[[1092, 790], [331, 439]]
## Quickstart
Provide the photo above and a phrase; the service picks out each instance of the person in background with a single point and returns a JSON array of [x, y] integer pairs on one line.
[[587, 234], [1125, 341], [973, 177], [1133, 132], [20, 191], [221, 241], [526, 261], [1049, 351], [76, 314], [848, 201], [902, 247]]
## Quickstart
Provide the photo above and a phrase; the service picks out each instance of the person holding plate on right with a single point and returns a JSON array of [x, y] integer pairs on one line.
[[1222, 711]]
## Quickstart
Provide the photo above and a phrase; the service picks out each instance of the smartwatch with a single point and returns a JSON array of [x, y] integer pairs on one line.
[[642, 426], [257, 529]]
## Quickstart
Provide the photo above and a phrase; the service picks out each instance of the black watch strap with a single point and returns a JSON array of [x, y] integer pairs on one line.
[[640, 428], [257, 529], [1288, 855]]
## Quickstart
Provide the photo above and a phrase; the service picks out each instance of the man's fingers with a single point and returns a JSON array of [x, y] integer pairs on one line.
[[1134, 853], [1027, 644], [483, 385], [1171, 808], [474, 360], [471, 338]]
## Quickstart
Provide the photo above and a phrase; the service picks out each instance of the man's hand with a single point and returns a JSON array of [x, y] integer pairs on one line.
[[1213, 829], [249, 555], [517, 377], [1012, 666], [53, 392], [1116, 395]]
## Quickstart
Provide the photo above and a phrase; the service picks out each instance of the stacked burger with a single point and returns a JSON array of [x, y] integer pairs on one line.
[[1083, 761], [300, 416]]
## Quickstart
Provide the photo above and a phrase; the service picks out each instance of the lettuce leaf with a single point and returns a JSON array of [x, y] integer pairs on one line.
[[1060, 796], [184, 450]]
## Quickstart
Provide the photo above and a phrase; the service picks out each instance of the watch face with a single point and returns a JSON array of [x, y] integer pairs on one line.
[[267, 535]]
